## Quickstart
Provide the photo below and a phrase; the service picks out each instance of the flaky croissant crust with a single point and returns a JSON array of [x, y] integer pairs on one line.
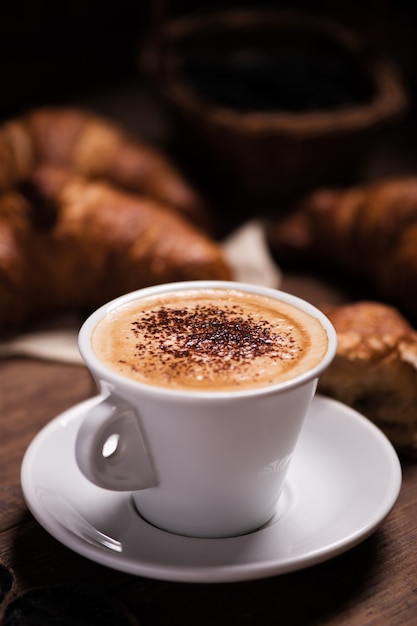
[[375, 368], [369, 231], [90, 242], [87, 214], [94, 147]]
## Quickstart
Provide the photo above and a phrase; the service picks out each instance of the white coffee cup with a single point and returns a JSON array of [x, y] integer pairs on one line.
[[198, 463]]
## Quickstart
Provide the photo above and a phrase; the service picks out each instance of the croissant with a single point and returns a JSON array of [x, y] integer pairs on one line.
[[369, 231], [70, 244], [94, 147], [375, 368]]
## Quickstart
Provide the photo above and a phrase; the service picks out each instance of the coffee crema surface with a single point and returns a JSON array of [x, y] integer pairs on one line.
[[209, 340]]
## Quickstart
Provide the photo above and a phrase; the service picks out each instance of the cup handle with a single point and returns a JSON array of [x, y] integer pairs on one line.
[[110, 449]]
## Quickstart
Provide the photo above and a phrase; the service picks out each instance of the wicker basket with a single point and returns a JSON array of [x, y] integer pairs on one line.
[[269, 157]]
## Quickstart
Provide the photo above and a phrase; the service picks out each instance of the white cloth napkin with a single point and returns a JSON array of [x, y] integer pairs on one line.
[[55, 342], [248, 256]]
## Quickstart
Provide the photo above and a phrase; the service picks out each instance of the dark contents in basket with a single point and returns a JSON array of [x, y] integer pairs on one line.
[[293, 81]]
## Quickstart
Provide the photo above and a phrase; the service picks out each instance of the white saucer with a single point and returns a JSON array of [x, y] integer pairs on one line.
[[343, 481]]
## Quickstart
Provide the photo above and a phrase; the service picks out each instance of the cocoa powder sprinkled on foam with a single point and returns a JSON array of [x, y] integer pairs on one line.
[[209, 340], [182, 338]]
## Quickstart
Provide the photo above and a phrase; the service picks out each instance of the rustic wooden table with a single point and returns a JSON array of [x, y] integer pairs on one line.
[[374, 583]]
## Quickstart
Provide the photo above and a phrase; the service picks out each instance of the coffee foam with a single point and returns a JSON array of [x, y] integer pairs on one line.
[[209, 340]]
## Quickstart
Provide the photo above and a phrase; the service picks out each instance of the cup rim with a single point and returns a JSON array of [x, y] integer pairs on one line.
[[105, 373]]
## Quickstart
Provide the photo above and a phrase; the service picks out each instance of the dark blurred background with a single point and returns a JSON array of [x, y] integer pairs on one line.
[[51, 50]]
